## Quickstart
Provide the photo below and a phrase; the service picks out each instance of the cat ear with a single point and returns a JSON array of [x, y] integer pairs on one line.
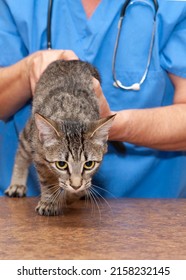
[[47, 132], [100, 133]]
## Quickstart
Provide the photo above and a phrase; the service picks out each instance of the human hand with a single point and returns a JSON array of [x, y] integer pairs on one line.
[[37, 62], [103, 104]]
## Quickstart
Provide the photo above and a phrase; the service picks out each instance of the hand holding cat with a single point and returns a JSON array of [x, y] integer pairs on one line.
[[38, 62], [103, 104]]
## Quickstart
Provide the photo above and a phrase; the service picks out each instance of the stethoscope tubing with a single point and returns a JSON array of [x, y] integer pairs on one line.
[[49, 19]]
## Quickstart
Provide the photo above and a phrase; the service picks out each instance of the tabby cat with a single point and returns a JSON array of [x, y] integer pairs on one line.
[[64, 138]]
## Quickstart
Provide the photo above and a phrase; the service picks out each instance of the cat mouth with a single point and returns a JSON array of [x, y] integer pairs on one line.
[[69, 188], [74, 189]]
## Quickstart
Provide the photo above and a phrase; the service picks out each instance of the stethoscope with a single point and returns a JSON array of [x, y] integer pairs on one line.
[[135, 86]]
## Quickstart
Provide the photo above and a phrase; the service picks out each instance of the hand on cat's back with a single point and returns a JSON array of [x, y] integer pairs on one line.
[[37, 62], [103, 104]]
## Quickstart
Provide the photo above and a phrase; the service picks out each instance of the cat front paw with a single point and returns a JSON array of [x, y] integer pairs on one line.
[[16, 191], [47, 209]]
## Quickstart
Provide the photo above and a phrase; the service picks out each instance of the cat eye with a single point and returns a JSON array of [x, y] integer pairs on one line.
[[62, 165], [89, 165]]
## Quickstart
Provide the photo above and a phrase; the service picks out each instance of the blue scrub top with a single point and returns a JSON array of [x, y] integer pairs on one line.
[[140, 172]]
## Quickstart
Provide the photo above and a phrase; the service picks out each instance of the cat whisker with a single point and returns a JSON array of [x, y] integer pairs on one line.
[[55, 196], [94, 197], [104, 191], [59, 201], [98, 194], [49, 192], [50, 196], [52, 201], [50, 187], [55, 199], [87, 186], [45, 189], [89, 195], [94, 201], [62, 184]]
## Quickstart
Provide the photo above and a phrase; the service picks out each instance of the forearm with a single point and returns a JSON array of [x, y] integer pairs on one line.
[[14, 89], [161, 128]]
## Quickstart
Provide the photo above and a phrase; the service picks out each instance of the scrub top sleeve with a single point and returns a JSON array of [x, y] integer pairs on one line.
[[173, 55], [12, 48]]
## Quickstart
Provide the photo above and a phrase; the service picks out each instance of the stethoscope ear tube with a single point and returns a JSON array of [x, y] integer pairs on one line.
[[156, 5], [49, 18], [124, 8]]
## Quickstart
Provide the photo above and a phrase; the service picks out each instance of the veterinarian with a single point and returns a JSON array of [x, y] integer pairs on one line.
[[143, 70]]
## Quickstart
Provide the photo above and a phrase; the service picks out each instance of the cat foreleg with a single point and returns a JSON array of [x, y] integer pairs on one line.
[[47, 208], [17, 186], [49, 204]]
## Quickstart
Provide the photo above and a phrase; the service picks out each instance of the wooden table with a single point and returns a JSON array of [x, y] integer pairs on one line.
[[128, 229]]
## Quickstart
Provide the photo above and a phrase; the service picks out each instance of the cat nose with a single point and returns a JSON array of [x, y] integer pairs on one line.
[[75, 182], [76, 187]]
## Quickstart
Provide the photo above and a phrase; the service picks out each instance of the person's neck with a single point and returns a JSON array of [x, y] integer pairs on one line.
[[90, 6]]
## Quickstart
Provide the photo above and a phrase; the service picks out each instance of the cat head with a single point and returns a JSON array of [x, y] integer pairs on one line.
[[73, 150]]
